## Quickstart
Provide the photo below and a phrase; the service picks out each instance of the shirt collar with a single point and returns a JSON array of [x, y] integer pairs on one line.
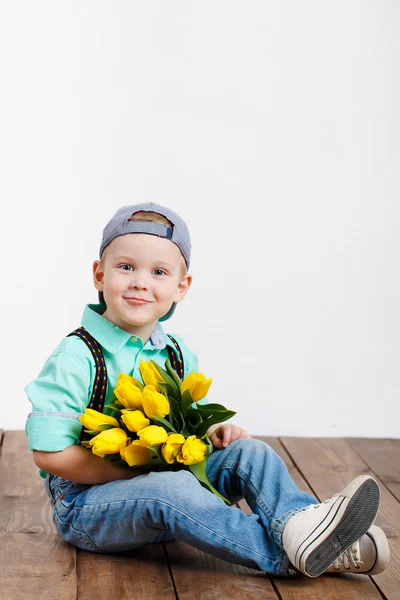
[[111, 337]]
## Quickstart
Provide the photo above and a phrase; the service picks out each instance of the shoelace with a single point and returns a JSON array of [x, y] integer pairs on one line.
[[351, 555]]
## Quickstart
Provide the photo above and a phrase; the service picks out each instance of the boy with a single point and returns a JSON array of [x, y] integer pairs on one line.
[[141, 275]]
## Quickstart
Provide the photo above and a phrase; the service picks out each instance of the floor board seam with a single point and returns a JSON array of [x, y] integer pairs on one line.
[[170, 570], [298, 468]]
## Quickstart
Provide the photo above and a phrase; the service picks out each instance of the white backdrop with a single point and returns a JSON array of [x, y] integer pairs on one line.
[[273, 129]]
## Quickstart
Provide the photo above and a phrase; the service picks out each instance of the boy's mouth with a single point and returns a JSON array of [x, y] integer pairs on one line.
[[137, 300]]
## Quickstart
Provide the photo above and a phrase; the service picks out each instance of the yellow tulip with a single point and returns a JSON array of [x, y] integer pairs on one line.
[[154, 404], [152, 435], [172, 447], [193, 451], [150, 375], [197, 384], [109, 441], [91, 419], [134, 419], [136, 454], [127, 392]]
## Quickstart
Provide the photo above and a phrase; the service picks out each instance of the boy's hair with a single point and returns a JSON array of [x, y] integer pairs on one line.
[[144, 215]]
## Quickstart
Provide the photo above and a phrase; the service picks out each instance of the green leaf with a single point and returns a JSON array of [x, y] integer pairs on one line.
[[193, 419], [105, 426], [173, 374], [155, 450], [174, 422], [212, 408], [176, 411], [199, 471], [185, 431], [167, 390], [115, 456], [163, 423], [139, 384], [187, 401], [155, 461], [92, 432], [114, 407], [209, 444], [212, 420], [168, 379]]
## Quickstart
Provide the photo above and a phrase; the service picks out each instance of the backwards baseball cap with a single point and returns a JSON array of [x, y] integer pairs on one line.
[[121, 225]]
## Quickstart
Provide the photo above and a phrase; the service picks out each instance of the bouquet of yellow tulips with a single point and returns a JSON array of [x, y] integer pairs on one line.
[[157, 422]]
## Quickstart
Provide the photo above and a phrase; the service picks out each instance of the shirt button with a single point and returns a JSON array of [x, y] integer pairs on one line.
[[134, 338]]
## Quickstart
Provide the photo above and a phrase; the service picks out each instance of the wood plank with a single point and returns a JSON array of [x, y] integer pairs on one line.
[[36, 566], [199, 575], [329, 464], [37, 558], [383, 457], [24, 504], [142, 574]]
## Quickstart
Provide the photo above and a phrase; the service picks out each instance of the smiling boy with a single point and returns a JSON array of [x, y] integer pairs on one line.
[[138, 285], [141, 276]]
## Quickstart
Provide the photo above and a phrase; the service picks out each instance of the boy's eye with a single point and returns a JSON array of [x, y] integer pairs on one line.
[[157, 271], [160, 272], [122, 266]]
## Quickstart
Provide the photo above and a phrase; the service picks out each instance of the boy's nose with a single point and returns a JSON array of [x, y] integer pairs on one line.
[[138, 280]]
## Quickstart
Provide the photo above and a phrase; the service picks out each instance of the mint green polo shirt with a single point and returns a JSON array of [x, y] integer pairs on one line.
[[63, 388]]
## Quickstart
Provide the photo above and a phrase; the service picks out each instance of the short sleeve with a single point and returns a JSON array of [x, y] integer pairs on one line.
[[191, 362], [59, 395]]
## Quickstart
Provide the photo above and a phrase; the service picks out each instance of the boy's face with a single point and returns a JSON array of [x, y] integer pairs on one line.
[[144, 266]]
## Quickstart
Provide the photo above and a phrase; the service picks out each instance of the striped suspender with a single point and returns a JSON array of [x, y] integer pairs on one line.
[[176, 359], [100, 383]]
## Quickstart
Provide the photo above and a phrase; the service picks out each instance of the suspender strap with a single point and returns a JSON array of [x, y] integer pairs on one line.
[[100, 383], [176, 360]]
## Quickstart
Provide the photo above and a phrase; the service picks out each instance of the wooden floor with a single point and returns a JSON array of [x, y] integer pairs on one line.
[[36, 563]]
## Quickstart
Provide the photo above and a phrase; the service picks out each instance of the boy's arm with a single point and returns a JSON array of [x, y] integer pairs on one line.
[[79, 464], [59, 395]]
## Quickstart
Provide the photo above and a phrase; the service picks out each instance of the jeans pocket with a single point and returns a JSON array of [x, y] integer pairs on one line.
[[65, 494]]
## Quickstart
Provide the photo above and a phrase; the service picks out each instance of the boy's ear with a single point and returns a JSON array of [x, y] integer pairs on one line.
[[183, 287], [98, 275]]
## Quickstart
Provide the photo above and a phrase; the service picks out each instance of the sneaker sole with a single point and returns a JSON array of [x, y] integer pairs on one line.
[[356, 520]]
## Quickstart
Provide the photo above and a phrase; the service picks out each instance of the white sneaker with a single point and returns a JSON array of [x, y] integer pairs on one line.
[[370, 554], [315, 536]]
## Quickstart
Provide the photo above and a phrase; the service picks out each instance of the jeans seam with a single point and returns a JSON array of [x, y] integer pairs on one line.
[[255, 491], [279, 524], [82, 534]]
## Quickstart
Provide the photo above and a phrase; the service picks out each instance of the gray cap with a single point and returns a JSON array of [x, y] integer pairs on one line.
[[120, 225]]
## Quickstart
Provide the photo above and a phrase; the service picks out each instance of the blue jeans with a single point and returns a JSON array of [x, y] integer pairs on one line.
[[165, 505]]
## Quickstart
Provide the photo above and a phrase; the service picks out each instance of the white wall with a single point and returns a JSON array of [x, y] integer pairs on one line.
[[273, 129]]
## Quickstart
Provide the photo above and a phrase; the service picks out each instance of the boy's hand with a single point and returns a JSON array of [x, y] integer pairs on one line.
[[223, 435]]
